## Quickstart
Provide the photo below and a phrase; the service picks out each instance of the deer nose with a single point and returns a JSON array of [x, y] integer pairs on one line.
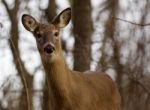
[[49, 49]]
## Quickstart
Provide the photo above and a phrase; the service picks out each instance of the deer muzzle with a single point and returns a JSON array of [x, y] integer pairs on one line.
[[49, 49]]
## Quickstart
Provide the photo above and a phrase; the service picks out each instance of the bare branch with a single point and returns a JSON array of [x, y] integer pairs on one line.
[[22, 75], [138, 24], [144, 81], [19, 91], [7, 8]]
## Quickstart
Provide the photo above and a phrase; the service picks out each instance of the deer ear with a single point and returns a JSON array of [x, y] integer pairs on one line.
[[62, 19], [29, 22]]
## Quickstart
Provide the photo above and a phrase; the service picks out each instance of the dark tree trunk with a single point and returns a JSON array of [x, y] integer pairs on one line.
[[50, 12], [82, 30]]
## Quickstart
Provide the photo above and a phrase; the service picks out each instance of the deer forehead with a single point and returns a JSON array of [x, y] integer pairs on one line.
[[42, 28]]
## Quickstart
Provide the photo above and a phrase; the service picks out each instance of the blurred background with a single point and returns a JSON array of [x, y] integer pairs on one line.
[[108, 35]]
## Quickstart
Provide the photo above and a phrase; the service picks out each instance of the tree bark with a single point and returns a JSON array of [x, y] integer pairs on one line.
[[82, 30], [50, 11]]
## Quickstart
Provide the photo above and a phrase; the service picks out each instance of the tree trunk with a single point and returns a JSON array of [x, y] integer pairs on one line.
[[50, 12], [82, 30]]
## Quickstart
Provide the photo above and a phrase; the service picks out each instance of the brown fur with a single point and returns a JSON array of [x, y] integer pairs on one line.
[[71, 90]]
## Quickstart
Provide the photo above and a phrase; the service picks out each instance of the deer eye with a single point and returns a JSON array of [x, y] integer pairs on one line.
[[39, 36], [56, 34]]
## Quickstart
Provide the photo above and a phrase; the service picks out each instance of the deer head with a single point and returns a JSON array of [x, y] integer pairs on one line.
[[47, 36]]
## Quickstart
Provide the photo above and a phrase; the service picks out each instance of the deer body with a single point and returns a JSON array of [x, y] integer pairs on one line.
[[70, 90]]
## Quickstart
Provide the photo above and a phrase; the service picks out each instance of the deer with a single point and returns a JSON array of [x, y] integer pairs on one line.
[[70, 90]]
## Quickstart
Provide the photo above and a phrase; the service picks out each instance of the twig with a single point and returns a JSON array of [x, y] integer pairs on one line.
[[7, 8], [22, 76], [139, 82], [18, 91], [142, 25]]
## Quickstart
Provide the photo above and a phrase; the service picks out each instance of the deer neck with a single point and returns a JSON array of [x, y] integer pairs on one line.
[[58, 75]]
